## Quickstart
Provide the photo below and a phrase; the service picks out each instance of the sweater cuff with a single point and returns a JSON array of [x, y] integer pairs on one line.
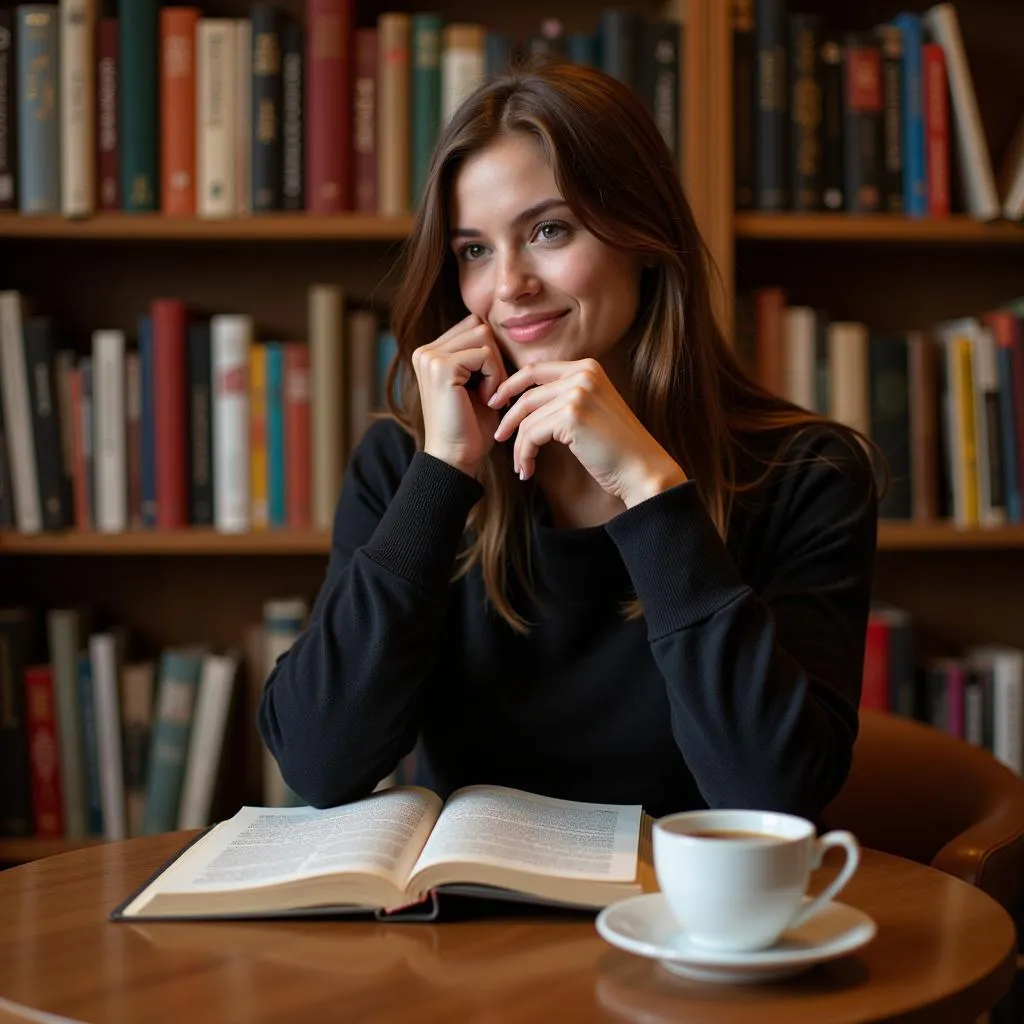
[[679, 564], [419, 534]]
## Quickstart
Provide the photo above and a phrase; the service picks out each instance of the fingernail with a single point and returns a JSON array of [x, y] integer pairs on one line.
[[522, 474], [493, 400]]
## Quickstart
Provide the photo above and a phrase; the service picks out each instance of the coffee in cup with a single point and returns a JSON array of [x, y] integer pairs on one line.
[[736, 880]]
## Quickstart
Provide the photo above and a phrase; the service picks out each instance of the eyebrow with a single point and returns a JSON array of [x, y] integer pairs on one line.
[[520, 218]]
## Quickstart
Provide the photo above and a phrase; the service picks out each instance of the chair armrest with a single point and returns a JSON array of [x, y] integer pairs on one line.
[[986, 855]]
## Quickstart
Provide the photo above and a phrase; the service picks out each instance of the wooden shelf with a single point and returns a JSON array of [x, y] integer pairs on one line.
[[21, 851], [892, 536], [171, 542], [838, 227], [155, 227], [939, 536]]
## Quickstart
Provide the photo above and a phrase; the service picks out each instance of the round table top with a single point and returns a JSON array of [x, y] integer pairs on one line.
[[944, 952]]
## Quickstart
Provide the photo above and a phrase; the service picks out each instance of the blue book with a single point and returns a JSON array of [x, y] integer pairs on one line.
[[275, 435], [172, 727], [581, 48], [915, 174], [37, 87], [147, 424], [90, 747]]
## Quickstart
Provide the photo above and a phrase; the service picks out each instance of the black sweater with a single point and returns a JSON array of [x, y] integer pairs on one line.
[[739, 686]]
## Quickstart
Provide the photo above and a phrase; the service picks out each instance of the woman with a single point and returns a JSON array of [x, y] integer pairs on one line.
[[587, 557]]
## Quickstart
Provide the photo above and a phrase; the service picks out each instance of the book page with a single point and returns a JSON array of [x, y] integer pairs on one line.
[[263, 846], [509, 828]]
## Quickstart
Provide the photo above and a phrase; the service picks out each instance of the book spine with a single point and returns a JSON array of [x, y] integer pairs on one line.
[[44, 757], [936, 130], [64, 637], [8, 114], [266, 108], [37, 48], [744, 102], [172, 726], [78, 107], [362, 329], [259, 513], [833, 193], [662, 42], [136, 718], [462, 62], [293, 172], [6, 486], [108, 138], [242, 135], [862, 137], [771, 114], [170, 405], [329, 105], [805, 111], [133, 432], [109, 416], [326, 348], [200, 424], [364, 120], [54, 499], [276, 489], [915, 177], [393, 135], [178, 111], [298, 489], [890, 44], [231, 339], [147, 423], [139, 69], [16, 791], [88, 439], [14, 386], [618, 31], [888, 376], [923, 388], [426, 95], [215, 96]]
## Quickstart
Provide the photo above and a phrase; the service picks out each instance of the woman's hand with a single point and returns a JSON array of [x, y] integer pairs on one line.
[[576, 405], [458, 425]]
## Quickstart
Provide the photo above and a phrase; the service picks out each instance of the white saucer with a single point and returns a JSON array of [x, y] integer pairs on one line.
[[644, 925]]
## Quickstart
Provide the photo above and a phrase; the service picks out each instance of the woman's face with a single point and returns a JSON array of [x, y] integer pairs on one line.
[[549, 289]]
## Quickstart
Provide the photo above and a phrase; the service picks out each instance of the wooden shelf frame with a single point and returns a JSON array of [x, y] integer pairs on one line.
[[892, 536], [146, 227], [845, 227]]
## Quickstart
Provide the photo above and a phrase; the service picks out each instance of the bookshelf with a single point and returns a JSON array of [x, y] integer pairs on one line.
[[180, 586]]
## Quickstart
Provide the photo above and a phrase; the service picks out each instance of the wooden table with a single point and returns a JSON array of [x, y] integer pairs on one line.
[[944, 952]]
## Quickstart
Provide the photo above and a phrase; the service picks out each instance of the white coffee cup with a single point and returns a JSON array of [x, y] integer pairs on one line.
[[743, 887]]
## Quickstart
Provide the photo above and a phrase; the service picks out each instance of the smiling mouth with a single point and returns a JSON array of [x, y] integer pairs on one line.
[[536, 330]]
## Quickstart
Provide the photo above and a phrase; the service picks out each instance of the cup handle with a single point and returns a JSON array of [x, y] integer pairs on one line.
[[837, 838]]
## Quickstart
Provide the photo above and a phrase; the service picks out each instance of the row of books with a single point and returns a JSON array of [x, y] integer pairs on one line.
[[976, 695], [193, 423], [945, 404], [862, 121], [164, 109]]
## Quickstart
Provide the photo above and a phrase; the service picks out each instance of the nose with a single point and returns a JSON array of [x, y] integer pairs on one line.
[[516, 276]]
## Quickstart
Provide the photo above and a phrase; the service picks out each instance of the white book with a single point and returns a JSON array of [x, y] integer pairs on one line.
[[230, 342], [103, 656], [28, 512], [327, 401], [77, 107], [975, 162], [216, 114], [110, 459], [206, 739], [243, 116], [1007, 701], [799, 347], [462, 65], [849, 397]]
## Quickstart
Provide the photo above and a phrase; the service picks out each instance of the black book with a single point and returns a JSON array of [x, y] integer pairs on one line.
[[200, 424], [862, 136], [891, 44], [8, 114], [832, 183], [16, 788], [805, 109], [771, 114], [293, 127], [267, 141]]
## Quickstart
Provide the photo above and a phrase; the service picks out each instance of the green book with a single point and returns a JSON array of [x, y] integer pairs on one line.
[[138, 90], [426, 95]]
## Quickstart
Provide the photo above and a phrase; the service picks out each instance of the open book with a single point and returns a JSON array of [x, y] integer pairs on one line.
[[394, 849]]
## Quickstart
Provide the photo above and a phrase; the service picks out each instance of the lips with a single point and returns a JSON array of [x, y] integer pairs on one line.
[[533, 327]]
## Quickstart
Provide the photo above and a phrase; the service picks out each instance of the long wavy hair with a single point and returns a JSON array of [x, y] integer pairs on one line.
[[616, 173]]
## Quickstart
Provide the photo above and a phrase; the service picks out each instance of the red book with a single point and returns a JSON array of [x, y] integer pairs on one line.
[[329, 105], [108, 148], [44, 766], [874, 692], [297, 458], [364, 139], [170, 405], [936, 128]]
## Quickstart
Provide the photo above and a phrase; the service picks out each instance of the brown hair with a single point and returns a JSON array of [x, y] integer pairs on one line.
[[616, 173]]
